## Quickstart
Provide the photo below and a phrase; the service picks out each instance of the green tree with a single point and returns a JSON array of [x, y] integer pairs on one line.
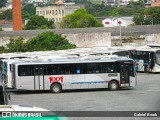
[[39, 22], [138, 18], [132, 8], [16, 45], [48, 41], [79, 19], [3, 3], [6, 15], [2, 49], [28, 11], [1, 29], [44, 41], [148, 16], [99, 10]]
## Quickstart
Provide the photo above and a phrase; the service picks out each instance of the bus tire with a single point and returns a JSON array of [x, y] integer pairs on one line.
[[113, 85], [56, 88]]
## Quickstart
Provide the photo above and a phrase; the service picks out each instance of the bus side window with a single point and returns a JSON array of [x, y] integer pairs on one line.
[[78, 68], [63, 69], [25, 70], [50, 70], [112, 68], [93, 68], [133, 54]]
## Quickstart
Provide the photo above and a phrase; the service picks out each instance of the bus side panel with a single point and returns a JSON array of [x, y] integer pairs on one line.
[[78, 81], [46, 82], [97, 80], [25, 82], [133, 81], [67, 82], [64, 80], [156, 68]]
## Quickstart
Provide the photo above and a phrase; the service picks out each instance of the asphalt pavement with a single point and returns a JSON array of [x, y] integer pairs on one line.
[[144, 97]]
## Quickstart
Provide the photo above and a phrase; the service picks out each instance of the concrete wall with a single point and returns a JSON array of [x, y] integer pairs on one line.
[[100, 39], [90, 39], [152, 38]]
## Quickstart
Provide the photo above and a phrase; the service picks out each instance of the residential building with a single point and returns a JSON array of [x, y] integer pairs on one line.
[[156, 3], [32, 1], [56, 12], [117, 2], [37, 2], [117, 21]]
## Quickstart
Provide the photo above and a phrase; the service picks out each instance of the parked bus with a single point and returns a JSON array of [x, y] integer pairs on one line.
[[148, 60], [157, 46], [5, 71], [74, 74]]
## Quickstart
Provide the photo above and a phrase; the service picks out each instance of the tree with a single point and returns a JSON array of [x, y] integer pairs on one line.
[[79, 19], [28, 11], [148, 16], [138, 18], [99, 10], [3, 3], [48, 41], [6, 15], [16, 45], [44, 41], [39, 22], [132, 8], [2, 49]]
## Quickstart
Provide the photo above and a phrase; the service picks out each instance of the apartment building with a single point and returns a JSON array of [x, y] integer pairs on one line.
[[117, 2], [56, 12]]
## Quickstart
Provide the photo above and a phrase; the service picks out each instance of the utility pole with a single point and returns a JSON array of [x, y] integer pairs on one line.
[[120, 32]]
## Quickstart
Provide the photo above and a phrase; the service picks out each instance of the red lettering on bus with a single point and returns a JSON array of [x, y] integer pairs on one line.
[[55, 79]]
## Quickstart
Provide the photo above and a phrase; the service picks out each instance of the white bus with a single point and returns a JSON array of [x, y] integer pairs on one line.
[[74, 74], [5, 70], [148, 59], [157, 46]]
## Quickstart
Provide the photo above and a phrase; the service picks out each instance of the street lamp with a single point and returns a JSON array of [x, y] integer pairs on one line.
[[120, 32]]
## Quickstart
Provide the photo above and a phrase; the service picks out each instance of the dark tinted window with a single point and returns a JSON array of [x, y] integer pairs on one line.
[[25, 70]]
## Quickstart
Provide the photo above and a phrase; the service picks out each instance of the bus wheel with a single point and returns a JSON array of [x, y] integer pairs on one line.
[[113, 85], [56, 88]]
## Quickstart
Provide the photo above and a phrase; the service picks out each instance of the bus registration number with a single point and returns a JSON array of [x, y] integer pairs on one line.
[[55, 79]]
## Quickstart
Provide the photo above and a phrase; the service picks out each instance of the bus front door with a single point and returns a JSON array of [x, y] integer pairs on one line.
[[124, 74], [39, 77]]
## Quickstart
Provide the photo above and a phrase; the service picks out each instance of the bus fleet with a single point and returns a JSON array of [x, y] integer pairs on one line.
[[71, 69]]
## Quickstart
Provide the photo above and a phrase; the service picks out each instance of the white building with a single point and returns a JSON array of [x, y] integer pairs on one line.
[[56, 12], [117, 2], [117, 21]]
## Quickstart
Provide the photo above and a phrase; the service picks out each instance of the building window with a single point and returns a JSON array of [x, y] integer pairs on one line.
[[62, 12], [56, 12], [53, 12], [37, 12]]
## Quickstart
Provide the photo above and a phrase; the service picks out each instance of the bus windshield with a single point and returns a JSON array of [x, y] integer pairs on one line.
[[158, 57]]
